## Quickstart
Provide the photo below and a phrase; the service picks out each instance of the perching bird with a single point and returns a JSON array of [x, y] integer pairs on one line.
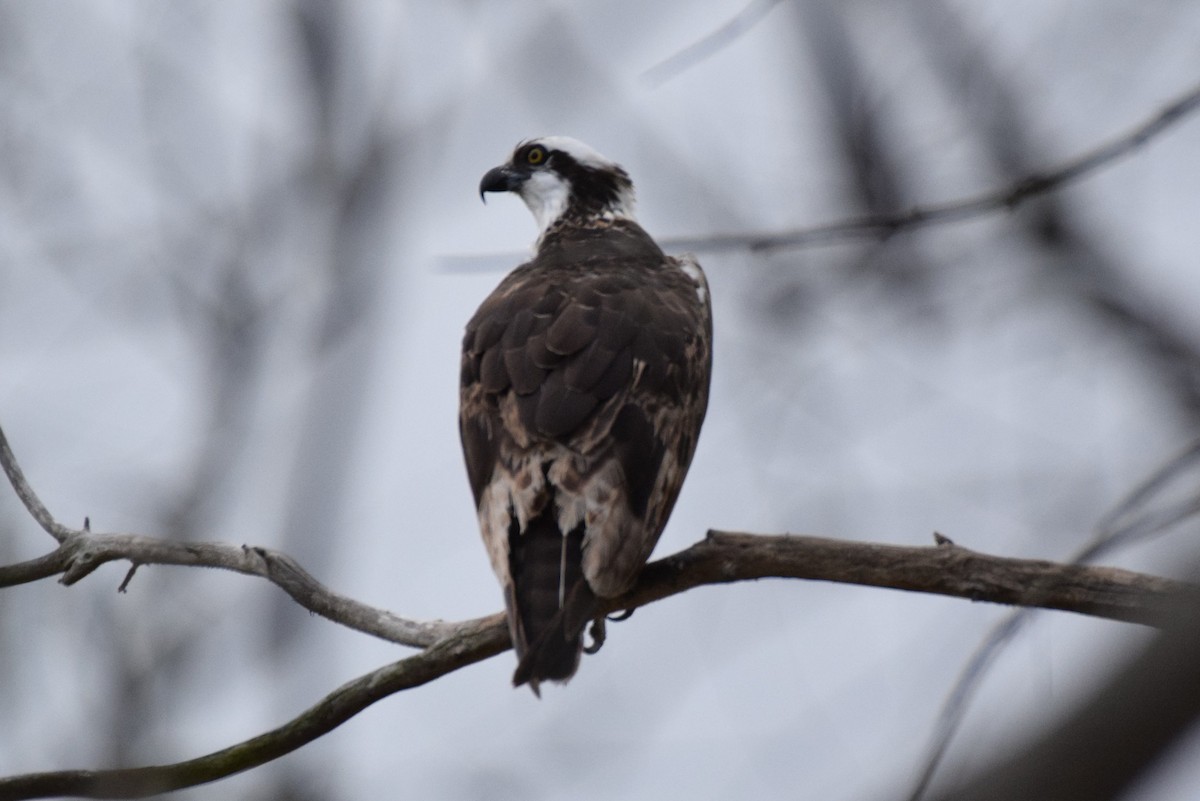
[[584, 385]]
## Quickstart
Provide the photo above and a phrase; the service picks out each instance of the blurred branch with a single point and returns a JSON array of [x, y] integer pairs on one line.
[[1109, 740], [1006, 198], [1139, 516], [1107, 285], [710, 44], [471, 642], [884, 225], [722, 557], [863, 140]]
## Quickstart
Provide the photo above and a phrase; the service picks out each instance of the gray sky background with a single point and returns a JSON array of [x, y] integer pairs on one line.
[[238, 243]]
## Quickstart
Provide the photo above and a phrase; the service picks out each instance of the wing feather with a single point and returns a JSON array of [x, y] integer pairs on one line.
[[573, 329], [524, 374]]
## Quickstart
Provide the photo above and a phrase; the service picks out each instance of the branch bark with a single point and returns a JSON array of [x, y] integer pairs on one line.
[[944, 569], [83, 552], [720, 558]]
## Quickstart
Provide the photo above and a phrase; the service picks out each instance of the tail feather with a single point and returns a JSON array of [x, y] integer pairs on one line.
[[553, 600], [554, 655]]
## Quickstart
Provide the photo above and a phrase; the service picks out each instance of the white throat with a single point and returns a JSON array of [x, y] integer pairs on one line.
[[547, 195]]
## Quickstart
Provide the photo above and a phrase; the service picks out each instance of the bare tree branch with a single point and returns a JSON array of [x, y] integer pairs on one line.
[[81, 552], [80, 555], [722, 557], [43, 567]]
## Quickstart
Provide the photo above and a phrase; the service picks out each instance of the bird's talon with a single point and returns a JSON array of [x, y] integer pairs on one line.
[[598, 635]]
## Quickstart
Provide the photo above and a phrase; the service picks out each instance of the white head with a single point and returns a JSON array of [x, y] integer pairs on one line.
[[562, 179]]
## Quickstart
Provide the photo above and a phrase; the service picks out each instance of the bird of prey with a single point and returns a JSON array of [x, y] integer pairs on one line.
[[584, 384]]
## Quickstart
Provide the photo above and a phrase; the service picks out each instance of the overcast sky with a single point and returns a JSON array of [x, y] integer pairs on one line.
[[238, 244]]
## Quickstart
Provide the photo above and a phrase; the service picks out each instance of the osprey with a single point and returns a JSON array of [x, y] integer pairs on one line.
[[584, 384]]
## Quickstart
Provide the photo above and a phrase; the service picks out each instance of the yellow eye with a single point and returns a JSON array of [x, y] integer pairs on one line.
[[536, 155]]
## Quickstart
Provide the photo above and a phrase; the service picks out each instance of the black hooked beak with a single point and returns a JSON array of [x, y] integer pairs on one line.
[[500, 179]]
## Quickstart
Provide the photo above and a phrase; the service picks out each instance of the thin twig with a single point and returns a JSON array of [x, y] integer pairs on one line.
[[710, 44], [962, 693], [28, 497], [1136, 518]]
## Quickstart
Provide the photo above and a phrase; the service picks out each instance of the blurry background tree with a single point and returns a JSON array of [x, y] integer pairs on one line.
[[231, 291]]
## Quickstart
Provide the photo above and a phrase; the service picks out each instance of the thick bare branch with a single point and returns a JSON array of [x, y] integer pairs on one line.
[[722, 557], [945, 569], [82, 553], [50, 564]]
